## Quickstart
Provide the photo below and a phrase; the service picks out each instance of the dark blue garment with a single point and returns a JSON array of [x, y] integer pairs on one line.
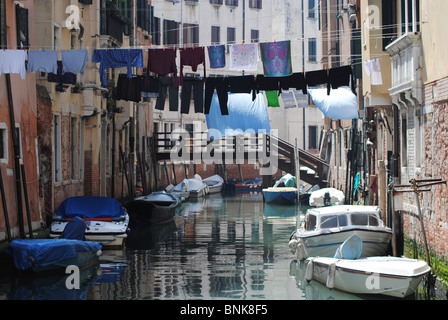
[[90, 207], [117, 58], [75, 229]]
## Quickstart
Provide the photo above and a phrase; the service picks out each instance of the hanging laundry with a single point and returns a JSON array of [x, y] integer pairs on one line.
[[340, 76], [373, 69], [319, 77], [13, 61], [242, 84], [244, 57], [341, 104], [221, 86], [149, 86], [263, 83], [294, 81], [217, 56], [167, 86], [43, 61], [128, 89], [197, 86], [117, 58], [64, 78], [276, 57], [192, 57], [162, 62], [74, 61], [272, 97]]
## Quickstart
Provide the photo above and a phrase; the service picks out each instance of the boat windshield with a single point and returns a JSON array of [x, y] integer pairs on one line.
[[333, 221], [310, 222], [364, 219]]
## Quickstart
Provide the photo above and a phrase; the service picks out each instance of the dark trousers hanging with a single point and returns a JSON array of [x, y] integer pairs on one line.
[[220, 84], [167, 86], [197, 86]]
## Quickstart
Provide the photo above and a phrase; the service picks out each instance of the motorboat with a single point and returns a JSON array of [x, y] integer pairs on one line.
[[156, 207], [44, 255], [282, 195], [106, 218], [190, 188], [391, 276], [215, 183], [249, 186], [323, 230], [326, 197]]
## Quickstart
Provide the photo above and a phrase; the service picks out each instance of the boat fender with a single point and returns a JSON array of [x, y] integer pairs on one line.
[[330, 275], [99, 253], [309, 270], [301, 251], [293, 245]]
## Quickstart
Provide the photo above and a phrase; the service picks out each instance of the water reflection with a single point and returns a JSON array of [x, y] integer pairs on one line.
[[215, 248]]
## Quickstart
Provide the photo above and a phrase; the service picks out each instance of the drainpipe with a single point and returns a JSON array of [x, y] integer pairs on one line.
[[16, 148]]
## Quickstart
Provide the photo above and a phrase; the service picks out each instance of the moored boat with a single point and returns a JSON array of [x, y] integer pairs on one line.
[[249, 186], [156, 207], [215, 183], [107, 219], [325, 229], [326, 197], [193, 188], [391, 276], [282, 195], [42, 255]]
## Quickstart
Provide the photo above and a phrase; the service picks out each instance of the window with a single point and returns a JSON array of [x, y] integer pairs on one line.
[[156, 32], [231, 35], [191, 34], [74, 148], [232, 3], [312, 9], [359, 219], [312, 50], [3, 143], [23, 41], [329, 222], [373, 221], [216, 35], [2, 23], [342, 220], [255, 4], [410, 16], [170, 32], [57, 148], [310, 222], [218, 2], [312, 137], [404, 140], [254, 36]]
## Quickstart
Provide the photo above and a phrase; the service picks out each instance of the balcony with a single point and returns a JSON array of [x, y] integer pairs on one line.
[[406, 68], [112, 24]]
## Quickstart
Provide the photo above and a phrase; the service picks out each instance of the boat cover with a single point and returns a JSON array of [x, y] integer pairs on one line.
[[45, 252], [213, 180], [287, 180], [90, 207], [75, 229], [189, 185]]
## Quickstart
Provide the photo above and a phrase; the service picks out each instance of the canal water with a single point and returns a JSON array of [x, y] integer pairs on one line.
[[217, 248]]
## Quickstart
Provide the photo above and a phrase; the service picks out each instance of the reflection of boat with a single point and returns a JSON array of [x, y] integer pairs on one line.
[[325, 229], [193, 188], [146, 236], [215, 183], [326, 197], [107, 219], [248, 186], [279, 211], [282, 195], [52, 254], [392, 276], [155, 207]]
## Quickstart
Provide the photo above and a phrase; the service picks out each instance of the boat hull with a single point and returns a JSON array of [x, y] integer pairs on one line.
[[82, 260], [155, 208], [396, 277], [278, 196], [376, 242]]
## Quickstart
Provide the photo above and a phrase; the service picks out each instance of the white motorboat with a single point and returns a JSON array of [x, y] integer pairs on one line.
[[107, 219], [215, 183], [325, 229], [392, 276], [326, 197]]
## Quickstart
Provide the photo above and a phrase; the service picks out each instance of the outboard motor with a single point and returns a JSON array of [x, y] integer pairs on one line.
[[327, 199], [75, 229]]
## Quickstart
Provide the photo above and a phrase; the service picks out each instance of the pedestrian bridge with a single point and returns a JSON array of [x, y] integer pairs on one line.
[[271, 152]]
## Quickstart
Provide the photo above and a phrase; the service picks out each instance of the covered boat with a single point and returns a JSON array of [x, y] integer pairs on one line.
[[326, 197], [284, 191], [156, 207], [325, 229], [107, 219], [215, 183], [41, 255], [193, 188]]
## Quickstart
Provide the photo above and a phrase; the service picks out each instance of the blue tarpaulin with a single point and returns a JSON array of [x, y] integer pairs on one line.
[[45, 252], [75, 229], [90, 207], [245, 116]]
